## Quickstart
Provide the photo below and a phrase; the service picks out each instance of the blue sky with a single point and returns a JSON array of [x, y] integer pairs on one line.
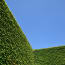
[[42, 21]]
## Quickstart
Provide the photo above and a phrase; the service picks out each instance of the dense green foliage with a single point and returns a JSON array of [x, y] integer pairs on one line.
[[14, 47], [50, 56]]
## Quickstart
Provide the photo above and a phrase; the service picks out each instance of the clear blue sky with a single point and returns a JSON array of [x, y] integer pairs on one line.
[[42, 21]]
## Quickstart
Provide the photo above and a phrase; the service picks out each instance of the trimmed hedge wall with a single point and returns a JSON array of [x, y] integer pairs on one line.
[[14, 47], [50, 56]]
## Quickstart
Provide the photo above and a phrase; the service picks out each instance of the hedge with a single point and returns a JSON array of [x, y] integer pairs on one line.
[[50, 56], [14, 47]]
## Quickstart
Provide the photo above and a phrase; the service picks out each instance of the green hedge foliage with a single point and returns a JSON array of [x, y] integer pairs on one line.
[[50, 56], [14, 47]]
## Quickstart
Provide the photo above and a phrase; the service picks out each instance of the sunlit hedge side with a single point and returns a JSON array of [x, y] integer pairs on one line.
[[14, 47], [50, 56]]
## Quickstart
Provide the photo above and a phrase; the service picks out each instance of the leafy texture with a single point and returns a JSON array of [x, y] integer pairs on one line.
[[14, 47], [50, 56]]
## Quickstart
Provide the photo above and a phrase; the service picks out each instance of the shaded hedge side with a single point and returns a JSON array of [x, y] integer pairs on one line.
[[14, 47], [50, 56]]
